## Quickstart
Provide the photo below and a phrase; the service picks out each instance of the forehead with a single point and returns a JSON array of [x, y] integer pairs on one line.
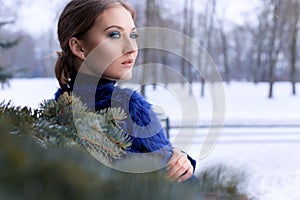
[[116, 15]]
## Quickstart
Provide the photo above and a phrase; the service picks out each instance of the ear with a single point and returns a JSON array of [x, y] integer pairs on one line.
[[76, 48]]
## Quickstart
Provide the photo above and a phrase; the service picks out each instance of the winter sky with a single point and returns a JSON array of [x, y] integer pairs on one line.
[[37, 17]]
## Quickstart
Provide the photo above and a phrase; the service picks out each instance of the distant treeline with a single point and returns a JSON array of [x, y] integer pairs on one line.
[[264, 48]]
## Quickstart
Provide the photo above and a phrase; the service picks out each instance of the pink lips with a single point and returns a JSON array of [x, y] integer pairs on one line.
[[128, 63]]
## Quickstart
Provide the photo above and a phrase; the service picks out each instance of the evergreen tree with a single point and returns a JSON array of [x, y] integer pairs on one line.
[[67, 122], [43, 156]]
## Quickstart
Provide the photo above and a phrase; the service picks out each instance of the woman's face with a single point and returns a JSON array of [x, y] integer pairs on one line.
[[110, 45]]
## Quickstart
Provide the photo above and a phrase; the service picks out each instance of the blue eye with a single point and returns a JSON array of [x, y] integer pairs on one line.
[[134, 35], [115, 35]]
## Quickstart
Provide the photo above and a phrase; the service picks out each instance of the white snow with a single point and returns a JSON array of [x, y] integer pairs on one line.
[[29, 92], [267, 153]]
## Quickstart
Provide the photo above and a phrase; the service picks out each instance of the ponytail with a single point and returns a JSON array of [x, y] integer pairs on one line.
[[64, 71]]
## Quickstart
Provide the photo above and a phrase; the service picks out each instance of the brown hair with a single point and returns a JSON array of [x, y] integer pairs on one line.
[[76, 19]]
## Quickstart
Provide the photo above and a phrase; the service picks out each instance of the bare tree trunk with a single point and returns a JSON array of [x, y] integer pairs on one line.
[[184, 46], [225, 52], [157, 22], [263, 28], [191, 33], [293, 47], [261, 31], [165, 71], [146, 51], [209, 26], [163, 55], [275, 44]]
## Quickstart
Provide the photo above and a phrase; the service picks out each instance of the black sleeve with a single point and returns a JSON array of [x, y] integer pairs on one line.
[[193, 162]]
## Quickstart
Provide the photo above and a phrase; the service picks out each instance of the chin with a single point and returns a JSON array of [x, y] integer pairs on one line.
[[126, 76]]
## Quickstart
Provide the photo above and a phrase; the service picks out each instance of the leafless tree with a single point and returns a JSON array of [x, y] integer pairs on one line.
[[275, 40], [225, 48], [206, 22], [184, 45], [294, 35], [187, 52]]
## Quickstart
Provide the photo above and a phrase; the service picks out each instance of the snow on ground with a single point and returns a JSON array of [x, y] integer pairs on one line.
[[267, 152], [29, 92]]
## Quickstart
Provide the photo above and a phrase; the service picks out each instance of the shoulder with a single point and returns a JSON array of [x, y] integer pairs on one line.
[[58, 93], [128, 98], [137, 108]]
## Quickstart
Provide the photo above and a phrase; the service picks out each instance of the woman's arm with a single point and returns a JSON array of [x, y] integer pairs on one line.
[[148, 135]]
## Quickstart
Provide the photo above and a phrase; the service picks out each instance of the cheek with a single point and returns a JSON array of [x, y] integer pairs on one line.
[[136, 53], [104, 55]]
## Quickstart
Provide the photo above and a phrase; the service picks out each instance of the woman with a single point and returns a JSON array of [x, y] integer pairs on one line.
[[98, 41]]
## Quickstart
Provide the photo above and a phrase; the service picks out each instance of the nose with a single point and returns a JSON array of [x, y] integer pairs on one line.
[[130, 45]]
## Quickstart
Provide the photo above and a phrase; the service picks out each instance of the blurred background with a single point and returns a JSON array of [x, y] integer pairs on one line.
[[254, 44]]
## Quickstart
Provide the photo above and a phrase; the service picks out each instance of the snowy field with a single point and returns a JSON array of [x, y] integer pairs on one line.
[[261, 136]]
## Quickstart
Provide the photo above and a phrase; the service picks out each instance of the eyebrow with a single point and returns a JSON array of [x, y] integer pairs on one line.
[[118, 27]]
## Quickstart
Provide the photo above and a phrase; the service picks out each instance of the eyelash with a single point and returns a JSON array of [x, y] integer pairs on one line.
[[134, 35], [114, 34], [117, 35]]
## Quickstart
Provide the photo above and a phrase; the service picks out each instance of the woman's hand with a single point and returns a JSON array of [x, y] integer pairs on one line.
[[179, 167]]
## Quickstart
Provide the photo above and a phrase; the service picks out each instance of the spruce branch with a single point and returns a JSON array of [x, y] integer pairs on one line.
[[98, 132], [68, 122], [20, 119]]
